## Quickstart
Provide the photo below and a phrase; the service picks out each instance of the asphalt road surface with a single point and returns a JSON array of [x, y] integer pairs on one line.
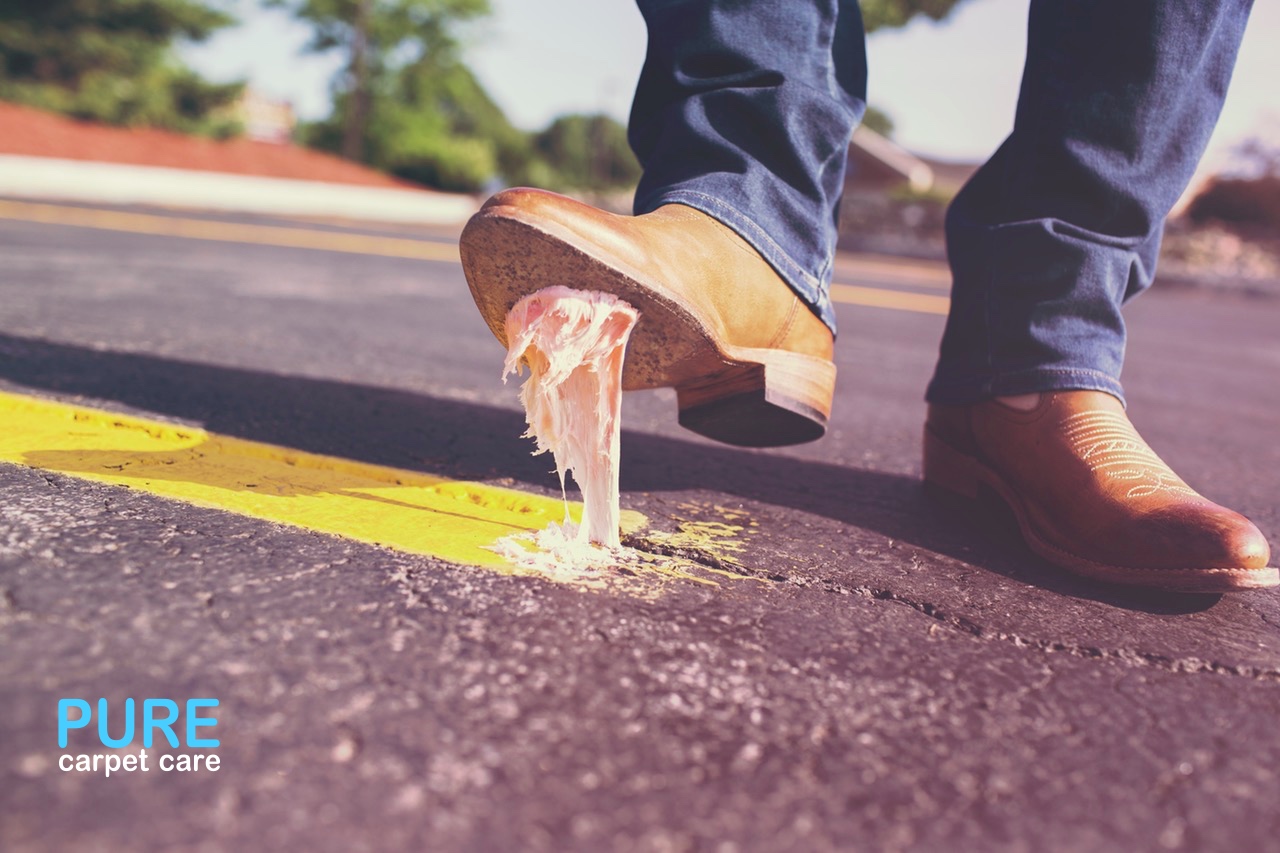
[[860, 666]]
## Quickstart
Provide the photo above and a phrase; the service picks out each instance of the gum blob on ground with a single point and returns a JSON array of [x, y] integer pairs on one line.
[[573, 343]]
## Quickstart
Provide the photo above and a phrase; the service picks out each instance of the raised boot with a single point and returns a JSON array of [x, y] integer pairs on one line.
[[750, 363]]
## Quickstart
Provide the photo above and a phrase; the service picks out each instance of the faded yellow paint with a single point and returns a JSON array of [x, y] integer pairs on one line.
[[230, 232], [713, 542], [400, 247], [935, 275], [404, 510], [900, 300], [717, 539]]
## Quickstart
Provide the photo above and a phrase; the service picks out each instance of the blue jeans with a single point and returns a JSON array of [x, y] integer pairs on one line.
[[745, 107]]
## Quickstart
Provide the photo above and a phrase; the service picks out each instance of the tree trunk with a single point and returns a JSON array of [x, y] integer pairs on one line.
[[358, 105]]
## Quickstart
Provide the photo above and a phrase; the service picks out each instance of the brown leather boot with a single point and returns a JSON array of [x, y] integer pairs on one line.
[[1091, 496], [751, 364]]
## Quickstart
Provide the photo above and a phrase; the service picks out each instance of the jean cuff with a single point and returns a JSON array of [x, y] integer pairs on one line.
[[966, 391], [813, 290]]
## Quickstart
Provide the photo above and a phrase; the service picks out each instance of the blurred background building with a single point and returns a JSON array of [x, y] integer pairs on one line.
[[265, 119]]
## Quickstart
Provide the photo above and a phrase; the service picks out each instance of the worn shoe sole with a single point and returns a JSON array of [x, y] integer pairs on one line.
[[738, 395], [959, 473]]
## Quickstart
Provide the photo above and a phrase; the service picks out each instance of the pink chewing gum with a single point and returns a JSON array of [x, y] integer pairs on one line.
[[573, 343]]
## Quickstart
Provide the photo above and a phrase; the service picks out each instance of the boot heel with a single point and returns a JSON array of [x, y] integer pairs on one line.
[[770, 398], [948, 468]]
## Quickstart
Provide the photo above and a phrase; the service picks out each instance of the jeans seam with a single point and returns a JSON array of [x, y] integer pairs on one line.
[[1073, 232], [824, 270], [987, 380], [971, 389], [1073, 372]]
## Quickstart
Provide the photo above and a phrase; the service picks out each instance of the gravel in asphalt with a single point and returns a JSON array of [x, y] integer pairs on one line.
[[876, 670]]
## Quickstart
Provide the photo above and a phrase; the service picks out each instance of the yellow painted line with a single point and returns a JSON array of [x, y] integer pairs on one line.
[[901, 300], [405, 510], [364, 244], [229, 232]]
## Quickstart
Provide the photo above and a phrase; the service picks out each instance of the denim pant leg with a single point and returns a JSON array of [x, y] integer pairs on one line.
[[1063, 224], [744, 111]]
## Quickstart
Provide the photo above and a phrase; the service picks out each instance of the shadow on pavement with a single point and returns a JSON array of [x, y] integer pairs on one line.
[[465, 440]]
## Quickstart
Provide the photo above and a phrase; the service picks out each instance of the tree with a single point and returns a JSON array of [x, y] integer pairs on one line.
[[432, 122], [451, 91], [588, 152], [407, 103], [379, 39], [112, 60], [886, 14], [878, 120]]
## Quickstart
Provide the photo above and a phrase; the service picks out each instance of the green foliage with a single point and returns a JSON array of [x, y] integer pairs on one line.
[[450, 91], [384, 25], [588, 152], [379, 39], [432, 122], [451, 163], [437, 126], [111, 60], [886, 14], [878, 120], [406, 103], [416, 143]]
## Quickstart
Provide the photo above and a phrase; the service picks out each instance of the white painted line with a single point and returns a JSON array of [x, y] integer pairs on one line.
[[115, 183]]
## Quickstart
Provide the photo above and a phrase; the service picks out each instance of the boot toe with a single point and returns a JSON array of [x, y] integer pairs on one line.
[[1245, 547], [1189, 538]]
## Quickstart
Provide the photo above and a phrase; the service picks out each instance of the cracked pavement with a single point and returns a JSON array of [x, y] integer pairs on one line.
[[875, 668]]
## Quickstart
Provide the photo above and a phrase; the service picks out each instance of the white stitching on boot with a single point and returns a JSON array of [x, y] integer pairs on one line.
[[1109, 443]]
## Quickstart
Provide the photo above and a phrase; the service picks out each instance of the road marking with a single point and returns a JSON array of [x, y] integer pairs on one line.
[[901, 300], [405, 510], [393, 247], [229, 232], [928, 274]]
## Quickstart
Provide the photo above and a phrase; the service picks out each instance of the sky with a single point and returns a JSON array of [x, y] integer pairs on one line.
[[950, 87]]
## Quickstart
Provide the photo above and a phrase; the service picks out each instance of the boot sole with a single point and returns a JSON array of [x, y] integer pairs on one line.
[[960, 474], [743, 396]]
